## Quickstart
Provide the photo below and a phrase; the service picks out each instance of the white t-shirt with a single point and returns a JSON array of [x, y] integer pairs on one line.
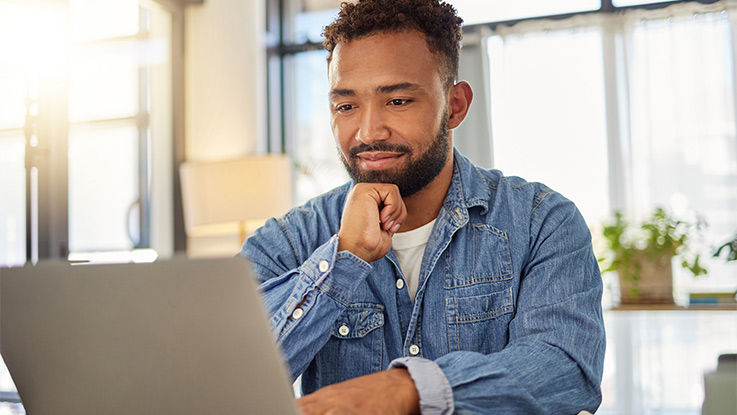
[[410, 247]]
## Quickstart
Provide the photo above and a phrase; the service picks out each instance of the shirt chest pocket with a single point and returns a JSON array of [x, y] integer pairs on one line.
[[479, 322], [358, 320], [479, 254], [355, 346]]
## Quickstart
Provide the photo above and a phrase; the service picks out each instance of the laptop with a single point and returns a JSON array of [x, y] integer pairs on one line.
[[170, 337]]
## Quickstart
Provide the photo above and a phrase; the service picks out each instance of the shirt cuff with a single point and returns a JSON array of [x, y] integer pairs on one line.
[[338, 274], [436, 395]]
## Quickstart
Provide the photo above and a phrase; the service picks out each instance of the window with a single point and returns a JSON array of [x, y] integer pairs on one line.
[[548, 124], [299, 112], [116, 52], [312, 146], [674, 78], [683, 127], [86, 86], [482, 11], [100, 96]]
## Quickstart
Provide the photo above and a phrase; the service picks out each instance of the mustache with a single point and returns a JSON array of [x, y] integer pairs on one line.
[[380, 146]]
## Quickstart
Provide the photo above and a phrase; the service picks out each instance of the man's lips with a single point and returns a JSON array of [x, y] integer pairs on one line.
[[374, 160]]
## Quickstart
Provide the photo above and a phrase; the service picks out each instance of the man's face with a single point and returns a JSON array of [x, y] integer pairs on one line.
[[388, 110]]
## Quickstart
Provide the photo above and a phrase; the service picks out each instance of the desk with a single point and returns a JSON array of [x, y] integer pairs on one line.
[[656, 358]]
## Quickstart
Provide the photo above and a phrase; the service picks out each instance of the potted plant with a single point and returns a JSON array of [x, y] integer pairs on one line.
[[642, 255], [730, 247]]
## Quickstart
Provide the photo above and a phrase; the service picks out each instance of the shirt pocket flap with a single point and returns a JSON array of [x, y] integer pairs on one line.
[[479, 307], [358, 320]]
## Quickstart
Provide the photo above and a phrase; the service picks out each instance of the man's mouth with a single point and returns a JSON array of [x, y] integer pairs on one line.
[[378, 160]]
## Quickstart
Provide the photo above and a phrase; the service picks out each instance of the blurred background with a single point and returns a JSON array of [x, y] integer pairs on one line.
[[132, 130]]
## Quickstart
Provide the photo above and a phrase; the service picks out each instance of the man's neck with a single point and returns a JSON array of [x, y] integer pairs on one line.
[[425, 205]]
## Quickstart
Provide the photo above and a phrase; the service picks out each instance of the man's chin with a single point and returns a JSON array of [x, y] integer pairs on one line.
[[376, 176]]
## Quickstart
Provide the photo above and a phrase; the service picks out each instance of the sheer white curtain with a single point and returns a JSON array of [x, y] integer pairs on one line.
[[672, 123], [683, 144], [547, 109]]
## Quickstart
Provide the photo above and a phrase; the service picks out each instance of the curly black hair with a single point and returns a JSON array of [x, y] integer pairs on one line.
[[435, 19]]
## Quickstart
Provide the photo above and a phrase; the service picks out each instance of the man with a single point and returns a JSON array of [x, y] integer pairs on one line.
[[480, 292]]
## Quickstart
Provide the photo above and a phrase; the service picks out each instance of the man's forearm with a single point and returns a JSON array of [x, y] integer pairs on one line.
[[387, 392]]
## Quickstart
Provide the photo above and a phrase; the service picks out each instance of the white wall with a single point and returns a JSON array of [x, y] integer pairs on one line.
[[224, 78]]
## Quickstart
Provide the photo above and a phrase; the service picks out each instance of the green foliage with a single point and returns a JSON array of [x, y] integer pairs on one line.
[[731, 249], [660, 237]]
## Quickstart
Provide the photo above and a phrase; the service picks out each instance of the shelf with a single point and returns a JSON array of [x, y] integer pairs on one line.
[[674, 307]]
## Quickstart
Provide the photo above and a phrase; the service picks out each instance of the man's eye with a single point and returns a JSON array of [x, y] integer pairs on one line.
[[399, 102], [344, 107]]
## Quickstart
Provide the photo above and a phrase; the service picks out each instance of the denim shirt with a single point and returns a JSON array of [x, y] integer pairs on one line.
[[507, 316]]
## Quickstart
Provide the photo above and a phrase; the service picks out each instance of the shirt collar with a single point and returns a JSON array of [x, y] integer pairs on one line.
[[468, 188]]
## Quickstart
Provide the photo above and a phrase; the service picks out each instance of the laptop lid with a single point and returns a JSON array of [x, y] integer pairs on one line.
[[171, 337]]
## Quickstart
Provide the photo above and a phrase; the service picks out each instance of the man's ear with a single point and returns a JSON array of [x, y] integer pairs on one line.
[[459, 100]]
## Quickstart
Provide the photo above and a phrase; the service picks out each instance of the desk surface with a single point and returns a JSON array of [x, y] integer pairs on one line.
[[656, 358]]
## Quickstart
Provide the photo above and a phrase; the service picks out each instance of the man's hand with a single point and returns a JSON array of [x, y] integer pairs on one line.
[[373, 213], [389, 392]]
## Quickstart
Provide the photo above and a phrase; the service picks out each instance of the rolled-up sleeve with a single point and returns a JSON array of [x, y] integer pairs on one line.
[[436, 395]]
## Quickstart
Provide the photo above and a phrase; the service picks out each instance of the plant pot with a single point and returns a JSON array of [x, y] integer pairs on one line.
[[652, 282]]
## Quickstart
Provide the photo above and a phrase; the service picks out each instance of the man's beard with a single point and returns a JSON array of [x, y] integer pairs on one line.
[[418, 172]]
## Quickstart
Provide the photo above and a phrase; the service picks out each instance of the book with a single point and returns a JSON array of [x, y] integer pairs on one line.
[[712, 298]]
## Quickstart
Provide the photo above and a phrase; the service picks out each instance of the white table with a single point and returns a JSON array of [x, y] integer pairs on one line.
[[656, 358]]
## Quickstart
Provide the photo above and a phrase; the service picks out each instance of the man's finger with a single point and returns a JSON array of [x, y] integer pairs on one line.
[[393, 207]]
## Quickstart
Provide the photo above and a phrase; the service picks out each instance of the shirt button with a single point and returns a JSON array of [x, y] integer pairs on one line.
[[414, 350], [344, 330], [323, 265], [400, 284], [297, 313]]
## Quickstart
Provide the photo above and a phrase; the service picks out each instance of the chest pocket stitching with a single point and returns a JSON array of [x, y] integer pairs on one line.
[[507, 260], [504, 296], [506, 263], [471, 318]]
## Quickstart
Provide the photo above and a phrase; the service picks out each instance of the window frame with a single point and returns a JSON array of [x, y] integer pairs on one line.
[[46, 136]]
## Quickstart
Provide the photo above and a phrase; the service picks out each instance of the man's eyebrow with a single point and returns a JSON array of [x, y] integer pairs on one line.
[[335, 93], [384, 89], [387, 89]]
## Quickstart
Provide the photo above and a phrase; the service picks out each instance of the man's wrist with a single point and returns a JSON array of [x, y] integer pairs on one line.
[[405, 389], [431, 384], [344, 245]]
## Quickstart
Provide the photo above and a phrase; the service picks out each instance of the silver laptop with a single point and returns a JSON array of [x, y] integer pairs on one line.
[[171, 337]]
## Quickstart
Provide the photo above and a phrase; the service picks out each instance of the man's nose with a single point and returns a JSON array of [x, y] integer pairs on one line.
[[373, 126]]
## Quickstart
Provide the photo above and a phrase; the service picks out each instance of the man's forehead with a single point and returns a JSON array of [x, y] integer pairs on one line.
[[382, 59]]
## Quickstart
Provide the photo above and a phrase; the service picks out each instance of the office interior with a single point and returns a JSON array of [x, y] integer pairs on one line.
[[134, 130]]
